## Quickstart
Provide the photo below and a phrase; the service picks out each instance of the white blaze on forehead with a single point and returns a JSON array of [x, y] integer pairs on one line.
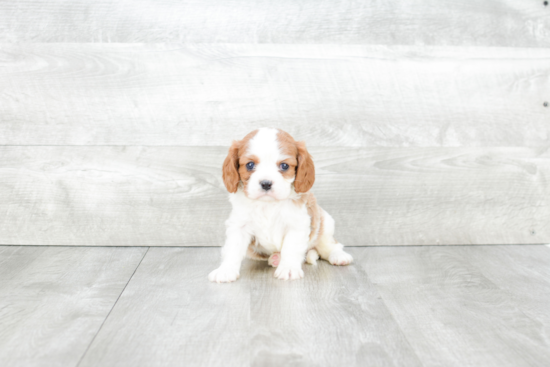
[[265, 146]]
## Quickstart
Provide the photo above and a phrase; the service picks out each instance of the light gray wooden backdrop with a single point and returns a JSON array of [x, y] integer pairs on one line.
[[428, 120]]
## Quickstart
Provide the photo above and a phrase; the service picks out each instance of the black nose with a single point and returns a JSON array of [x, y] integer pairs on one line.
[[266, 185]]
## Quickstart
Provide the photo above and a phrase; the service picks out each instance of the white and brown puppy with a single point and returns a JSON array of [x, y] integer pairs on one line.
[[275, 217]]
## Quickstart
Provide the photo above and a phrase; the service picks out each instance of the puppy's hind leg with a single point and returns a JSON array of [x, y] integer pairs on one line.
[[274, 259], [328, 248], [253, 253], [312, 257]]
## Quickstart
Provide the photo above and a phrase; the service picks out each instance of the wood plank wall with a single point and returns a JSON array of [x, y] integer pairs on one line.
[[428, 120]]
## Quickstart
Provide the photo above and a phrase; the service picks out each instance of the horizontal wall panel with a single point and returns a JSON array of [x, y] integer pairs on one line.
[[174, 196], [329, 95], [431, 22]]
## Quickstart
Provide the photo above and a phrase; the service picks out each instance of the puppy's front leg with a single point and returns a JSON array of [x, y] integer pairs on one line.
[[292, 255], [233, 253]]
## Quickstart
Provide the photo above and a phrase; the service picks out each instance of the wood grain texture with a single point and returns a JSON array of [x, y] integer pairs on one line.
[[54, 300], [328, 95], [171, 315], [431, 22], [112, 196], [531, 273], [174, 196], [332, 317], [455, 307]]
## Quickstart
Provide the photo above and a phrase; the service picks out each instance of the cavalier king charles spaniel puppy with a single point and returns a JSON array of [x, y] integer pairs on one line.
[[274, 217]]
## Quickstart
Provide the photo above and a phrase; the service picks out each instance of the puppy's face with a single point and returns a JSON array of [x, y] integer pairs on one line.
[[269, 164]]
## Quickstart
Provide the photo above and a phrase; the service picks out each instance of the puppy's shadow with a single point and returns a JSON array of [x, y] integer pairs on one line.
[[321, 272], [257, 267]]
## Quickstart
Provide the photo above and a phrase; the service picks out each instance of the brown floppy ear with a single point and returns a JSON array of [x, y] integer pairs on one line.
[[230, 170], [305, 172]]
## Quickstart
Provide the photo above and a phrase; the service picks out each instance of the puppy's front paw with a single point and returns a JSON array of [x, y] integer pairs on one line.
[[287, 272], [274, 259], [223, 275], [340, 257]]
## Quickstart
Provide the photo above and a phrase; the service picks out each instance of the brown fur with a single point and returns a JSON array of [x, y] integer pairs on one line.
[[245, 173], [316, 214], [231, 165], [301, 166], [305, 172], [287, 145]]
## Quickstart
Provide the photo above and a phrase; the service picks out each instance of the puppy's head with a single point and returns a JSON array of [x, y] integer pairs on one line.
[[269, 164]]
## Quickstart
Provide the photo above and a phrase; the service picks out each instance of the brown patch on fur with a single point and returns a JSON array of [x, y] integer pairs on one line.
[[305, 172], [291, 171], [230, 174], [316, 214], [244, 172], [300, 162], [321, 227], [287, 146], [231, 165]]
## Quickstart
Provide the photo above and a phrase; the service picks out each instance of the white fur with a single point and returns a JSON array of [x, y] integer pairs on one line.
[[273, 219]]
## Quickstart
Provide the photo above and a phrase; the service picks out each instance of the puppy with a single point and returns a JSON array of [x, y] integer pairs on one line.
[[275, 217]]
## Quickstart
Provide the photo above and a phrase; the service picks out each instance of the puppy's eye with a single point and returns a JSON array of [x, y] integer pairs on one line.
[[250, 166], [283, 166]]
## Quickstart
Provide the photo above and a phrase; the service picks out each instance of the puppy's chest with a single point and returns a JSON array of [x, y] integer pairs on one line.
[[270, 224]]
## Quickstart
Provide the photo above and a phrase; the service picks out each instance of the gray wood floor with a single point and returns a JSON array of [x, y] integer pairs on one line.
[[395, 306]]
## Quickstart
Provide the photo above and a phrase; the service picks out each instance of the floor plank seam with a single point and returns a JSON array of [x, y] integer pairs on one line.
[[112, 308], [394, 318], [400, 328]]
